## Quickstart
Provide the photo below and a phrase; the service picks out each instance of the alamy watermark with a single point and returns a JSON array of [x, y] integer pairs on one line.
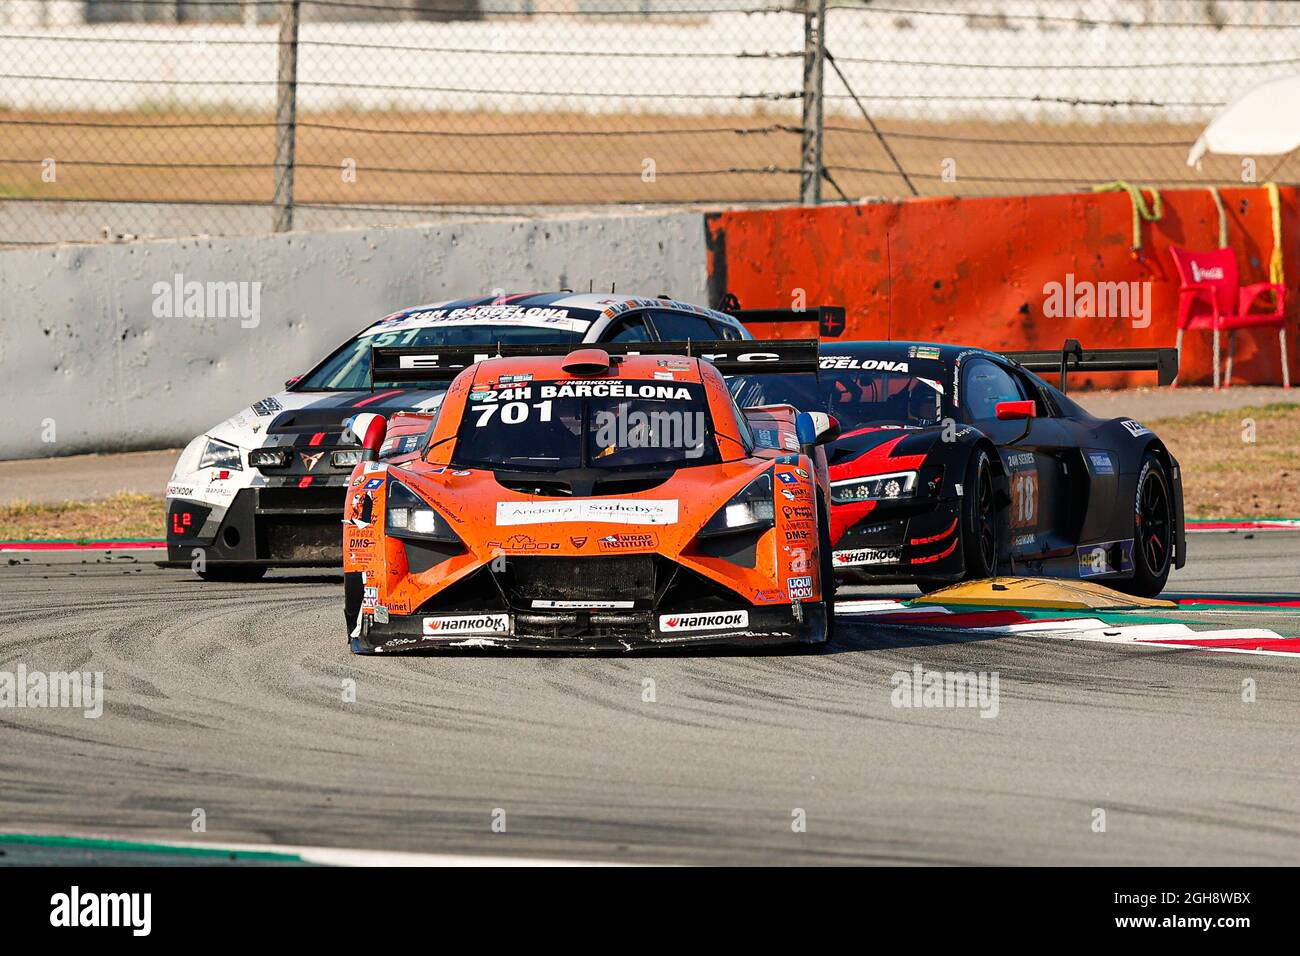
[[78, 690], [923, 688], [1082, 298], [182, 299], [638, 429]]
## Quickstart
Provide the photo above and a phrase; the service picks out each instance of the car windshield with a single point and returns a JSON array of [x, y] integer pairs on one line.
[[349, 367], [552, 425], [856, 397]]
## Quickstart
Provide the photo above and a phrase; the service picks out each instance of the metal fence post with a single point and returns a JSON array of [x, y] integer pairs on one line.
[[286, 116], [814, 62]]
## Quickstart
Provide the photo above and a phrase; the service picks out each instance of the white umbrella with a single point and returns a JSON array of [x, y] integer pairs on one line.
[[1263, 122]]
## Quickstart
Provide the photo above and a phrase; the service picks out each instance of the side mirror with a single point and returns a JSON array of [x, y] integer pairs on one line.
[[367, 430], [1024, 411], [815, 428], [1015, 411]]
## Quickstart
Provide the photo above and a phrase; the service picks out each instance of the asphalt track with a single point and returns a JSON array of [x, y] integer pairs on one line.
[[229, 698]]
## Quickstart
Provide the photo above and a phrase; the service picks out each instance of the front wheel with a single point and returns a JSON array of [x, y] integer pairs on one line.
[[1153, 528], [354, 589], [979, 518]]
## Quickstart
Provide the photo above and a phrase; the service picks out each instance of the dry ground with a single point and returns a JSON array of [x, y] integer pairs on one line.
[[568, 158], [123, 516], [1243, 463]]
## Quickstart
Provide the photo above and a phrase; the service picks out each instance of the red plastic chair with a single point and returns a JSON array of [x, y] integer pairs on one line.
[[1211, 299]]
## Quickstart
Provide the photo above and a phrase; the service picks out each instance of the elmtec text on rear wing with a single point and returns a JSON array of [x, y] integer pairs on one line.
[[413, 364], [1073, 357]]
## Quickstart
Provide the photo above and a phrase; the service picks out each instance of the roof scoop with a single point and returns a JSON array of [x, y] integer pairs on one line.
[[586, 361]]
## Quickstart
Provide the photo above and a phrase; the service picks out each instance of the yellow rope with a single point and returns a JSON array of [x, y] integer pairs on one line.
[[1223, 217], [1141, 211], [1276, 275]]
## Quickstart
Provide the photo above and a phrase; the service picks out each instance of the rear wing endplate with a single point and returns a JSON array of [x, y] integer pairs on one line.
[[1073, 357], [412, 364]]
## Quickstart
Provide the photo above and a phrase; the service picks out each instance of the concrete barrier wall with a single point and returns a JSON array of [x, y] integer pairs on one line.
[[85, 360]]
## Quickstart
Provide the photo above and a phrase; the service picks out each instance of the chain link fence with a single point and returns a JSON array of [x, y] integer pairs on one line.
[[183, 117]]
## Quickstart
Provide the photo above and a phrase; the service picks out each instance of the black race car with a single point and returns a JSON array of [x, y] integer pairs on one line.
[[956, 463]]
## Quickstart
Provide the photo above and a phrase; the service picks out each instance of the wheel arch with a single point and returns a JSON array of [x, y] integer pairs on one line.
[[1173, 475]]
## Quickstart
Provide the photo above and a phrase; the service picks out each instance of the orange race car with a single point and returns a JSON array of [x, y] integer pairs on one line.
[[581, 500]]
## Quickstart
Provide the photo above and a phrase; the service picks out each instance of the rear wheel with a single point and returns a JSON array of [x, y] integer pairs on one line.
[[1153, 527], [979, 518], [232, 572]]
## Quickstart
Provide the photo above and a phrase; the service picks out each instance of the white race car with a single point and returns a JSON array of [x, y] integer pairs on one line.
[[266, 487]]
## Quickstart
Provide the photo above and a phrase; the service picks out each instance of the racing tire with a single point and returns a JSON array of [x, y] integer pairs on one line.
[[1153, 529], [233, 572], [979, 519], [826, 568], [354, 588]]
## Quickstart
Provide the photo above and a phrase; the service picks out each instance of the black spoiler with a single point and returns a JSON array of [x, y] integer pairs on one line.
[[442, 363], [1073, 357], [829, 318]]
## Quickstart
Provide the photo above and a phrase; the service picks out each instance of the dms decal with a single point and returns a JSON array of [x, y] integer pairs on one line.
[[467, 624], [708, 621], [267, 406]]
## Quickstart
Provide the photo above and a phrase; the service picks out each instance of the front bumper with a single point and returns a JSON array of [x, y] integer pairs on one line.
[[890, 549], [594, 631], [275, 526]]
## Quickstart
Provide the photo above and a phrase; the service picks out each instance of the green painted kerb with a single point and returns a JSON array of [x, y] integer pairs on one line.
[[129, 846]]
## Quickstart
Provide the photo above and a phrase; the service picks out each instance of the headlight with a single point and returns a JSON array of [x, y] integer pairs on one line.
[[900, 484], [346, 459], [750, 510], [268, 458], [406, 513], [217, 454]]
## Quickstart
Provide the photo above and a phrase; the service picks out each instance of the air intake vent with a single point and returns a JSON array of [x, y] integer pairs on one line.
[[626, 577]]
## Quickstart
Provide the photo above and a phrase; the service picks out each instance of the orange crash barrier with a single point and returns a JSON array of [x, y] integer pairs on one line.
[[1013, 273]]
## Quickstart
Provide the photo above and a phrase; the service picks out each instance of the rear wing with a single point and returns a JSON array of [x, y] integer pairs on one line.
[[829, 318], [1073, 357], [413, 364]]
